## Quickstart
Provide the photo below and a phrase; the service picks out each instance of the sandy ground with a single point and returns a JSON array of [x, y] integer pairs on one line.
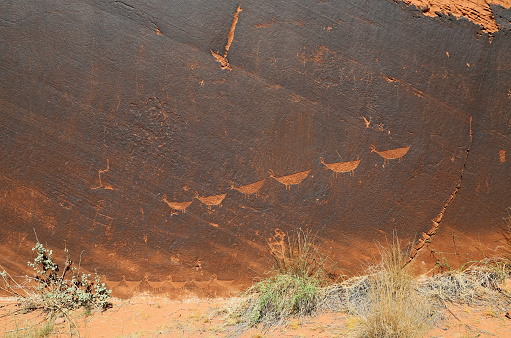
[[146, 316]]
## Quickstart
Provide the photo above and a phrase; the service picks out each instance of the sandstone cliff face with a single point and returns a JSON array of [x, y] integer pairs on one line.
[[171, 140], [481, 12]]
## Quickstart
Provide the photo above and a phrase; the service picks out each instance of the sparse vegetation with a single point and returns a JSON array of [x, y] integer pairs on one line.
[[388, 301], [392, 306], [56, 291], [32, 330], [475, 284], [298, 274]]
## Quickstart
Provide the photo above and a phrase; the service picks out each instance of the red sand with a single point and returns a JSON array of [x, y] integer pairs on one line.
[[145, 316]]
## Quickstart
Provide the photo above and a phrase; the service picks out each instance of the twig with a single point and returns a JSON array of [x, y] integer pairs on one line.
[[452, 313], [23, 328], [35, 233]]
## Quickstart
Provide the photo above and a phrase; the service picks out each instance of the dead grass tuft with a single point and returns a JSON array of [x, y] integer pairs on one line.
[[389, 304], [475, 284]]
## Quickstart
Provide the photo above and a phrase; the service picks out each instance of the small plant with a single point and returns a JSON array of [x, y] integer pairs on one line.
[[298, 257], [293, 289], [58, 290], [282, 296], [392, 306], [33, 330]]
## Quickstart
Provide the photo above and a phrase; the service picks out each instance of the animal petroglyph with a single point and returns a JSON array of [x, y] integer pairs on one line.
[[341, 167], [180, 206], [211, 200], [391, 154], [292, 179], [288, 180], [224, 63], [252, 188], [101, 184]]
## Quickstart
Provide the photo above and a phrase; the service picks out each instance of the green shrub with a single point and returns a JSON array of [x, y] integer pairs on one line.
[[58, 290], [298, 275], [282, 296]]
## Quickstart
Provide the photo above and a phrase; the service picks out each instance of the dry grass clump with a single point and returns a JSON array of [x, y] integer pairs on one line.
[[32, 329], [476, 284], [293, 290], [389, 304], [386, 302], [298, 257]]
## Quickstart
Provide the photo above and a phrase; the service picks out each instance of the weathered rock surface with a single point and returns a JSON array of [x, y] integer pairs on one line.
[[129, 133]]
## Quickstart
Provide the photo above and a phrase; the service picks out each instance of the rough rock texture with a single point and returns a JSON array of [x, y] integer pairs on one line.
[[481, 12], [126, 133]]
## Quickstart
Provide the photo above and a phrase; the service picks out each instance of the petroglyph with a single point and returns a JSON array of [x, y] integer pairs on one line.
[[224, 63], [367, 123], [502, 156], [211, 200], [292, 179], [277, 244], [65, 203], [249, 189], [221, 283], [341, 167], [101, 204], [287, 180], [168, 286], [375, 126], [179, 206], [103, 220], [391, 154], [101, 184]]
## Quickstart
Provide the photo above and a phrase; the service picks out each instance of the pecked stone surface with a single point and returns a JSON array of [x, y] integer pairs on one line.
[[129, 132]]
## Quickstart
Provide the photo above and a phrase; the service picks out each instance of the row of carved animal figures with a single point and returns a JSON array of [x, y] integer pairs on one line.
[[288, 180], [145, 285]]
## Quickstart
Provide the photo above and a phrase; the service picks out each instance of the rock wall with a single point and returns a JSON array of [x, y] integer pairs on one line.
[[156, 138]]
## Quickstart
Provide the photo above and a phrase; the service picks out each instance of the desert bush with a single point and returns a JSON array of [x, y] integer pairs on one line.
[[279, 297], [57, 290], [292, 290], [388, 303]]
